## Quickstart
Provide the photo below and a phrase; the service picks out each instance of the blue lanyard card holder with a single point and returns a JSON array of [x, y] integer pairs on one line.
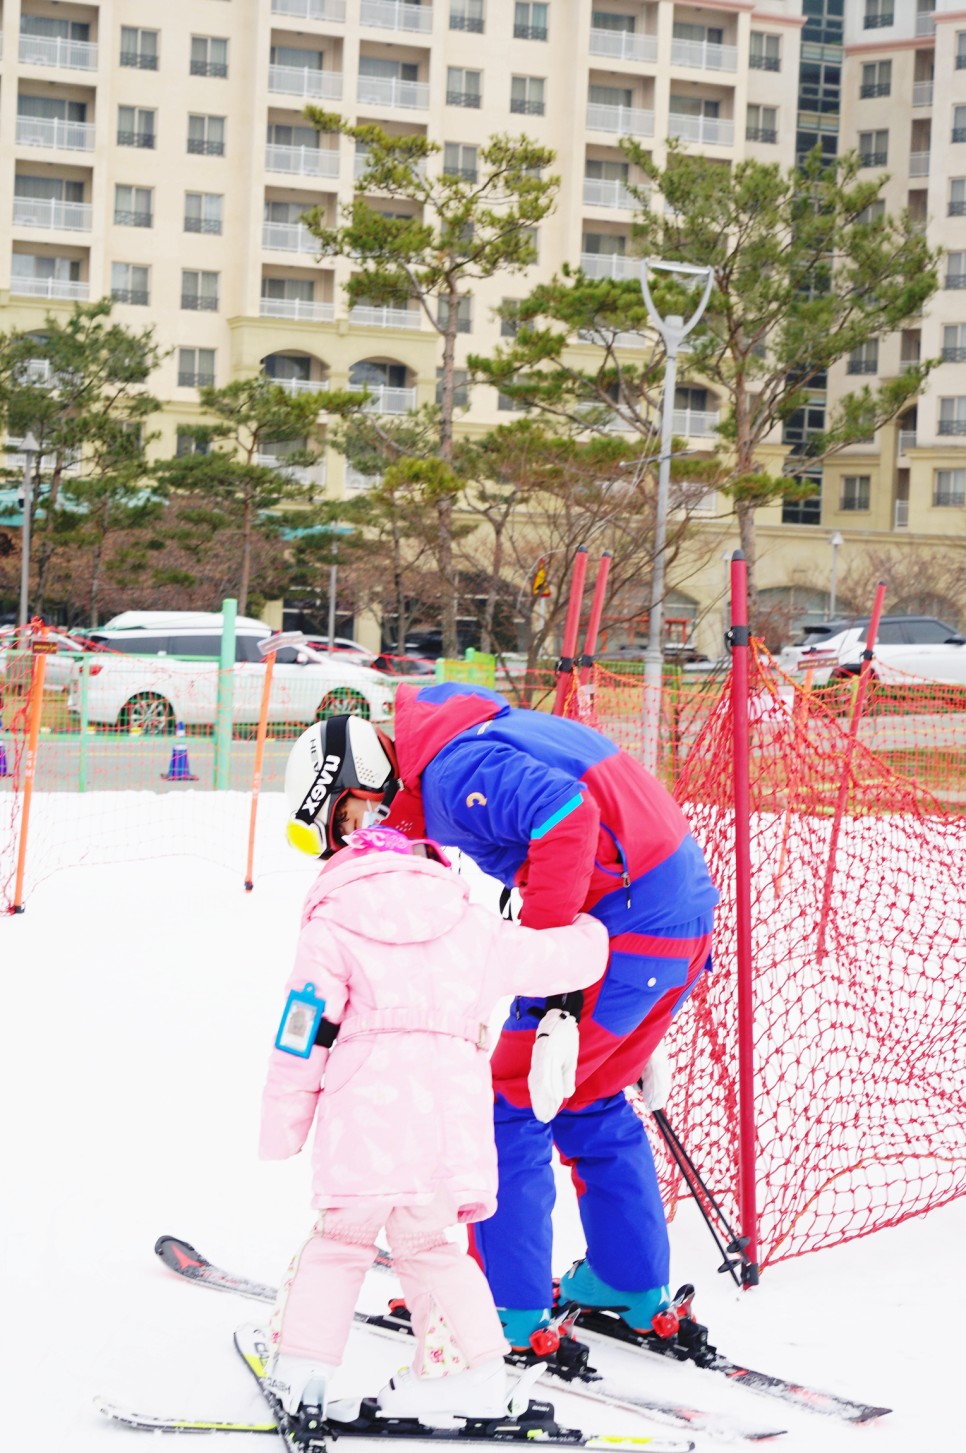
[[301, 1018]]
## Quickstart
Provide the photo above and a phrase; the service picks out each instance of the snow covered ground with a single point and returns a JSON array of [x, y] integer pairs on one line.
[[139, 1003]]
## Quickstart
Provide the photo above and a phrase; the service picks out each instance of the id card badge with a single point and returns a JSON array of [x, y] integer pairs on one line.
[[300, 1022]]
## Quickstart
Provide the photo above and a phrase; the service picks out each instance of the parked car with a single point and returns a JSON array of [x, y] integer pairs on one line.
[[906, 645], [67, 650], [152, 676]]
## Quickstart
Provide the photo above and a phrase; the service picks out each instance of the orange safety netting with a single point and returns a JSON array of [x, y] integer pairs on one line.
[[859, 986]]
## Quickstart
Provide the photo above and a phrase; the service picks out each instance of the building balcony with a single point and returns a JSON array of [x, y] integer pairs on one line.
[[922, 92], [610, 264], [603, 338], [765, 134], [298, 386], [310, 9], [68, 55], [55, 134], [472, 100], [695, 423], [296, 310], [386, 400], [873, 158], [302, 161], [391, 91], [607, 192], [954, 355], [297, 473], [364, 316], [879, 22], [355, 479], [900, 517], [50, 287], [862, 365], [200, 146], [137, 297], [758, 61], [708, 130], [188, 378], [925, 23], [289, 237], [306, 82], [199, 303], [394, 15], [702, 55], [907, 440], [919, 164], [621, 120], [952, 427], [68, 216], [954, 281], [623, 45]]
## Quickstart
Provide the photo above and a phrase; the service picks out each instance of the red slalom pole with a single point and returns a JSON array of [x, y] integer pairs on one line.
[[740, 639], [858, 705], [565, 666], [596, 612]]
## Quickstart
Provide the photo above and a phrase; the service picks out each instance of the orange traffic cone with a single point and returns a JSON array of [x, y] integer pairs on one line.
[[179, 769]]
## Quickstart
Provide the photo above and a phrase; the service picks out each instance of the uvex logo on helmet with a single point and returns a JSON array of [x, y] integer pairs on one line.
[[318, 792]]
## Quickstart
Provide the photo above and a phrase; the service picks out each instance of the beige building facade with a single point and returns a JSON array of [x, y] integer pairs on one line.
[[160, 155]]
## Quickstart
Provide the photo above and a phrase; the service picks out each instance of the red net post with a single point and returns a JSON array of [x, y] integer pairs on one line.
[[593, 624], [565, 666], [740, 643]]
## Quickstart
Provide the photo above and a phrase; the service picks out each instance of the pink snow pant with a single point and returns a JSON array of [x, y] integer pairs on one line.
[[438, 1280]]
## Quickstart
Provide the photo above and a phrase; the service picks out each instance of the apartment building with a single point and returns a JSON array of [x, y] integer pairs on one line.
[[904, 112], [160, 155]]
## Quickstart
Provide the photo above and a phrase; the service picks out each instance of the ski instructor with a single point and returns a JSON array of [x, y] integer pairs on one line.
[[555, 809]]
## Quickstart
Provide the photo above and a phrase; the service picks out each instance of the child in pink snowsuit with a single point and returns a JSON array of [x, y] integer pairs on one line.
[[383, 1045]]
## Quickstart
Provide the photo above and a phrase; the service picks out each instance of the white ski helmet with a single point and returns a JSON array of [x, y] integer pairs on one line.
[[328, 762]]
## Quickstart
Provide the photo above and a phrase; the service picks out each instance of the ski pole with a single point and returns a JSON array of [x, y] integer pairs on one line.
[[692, 1178]]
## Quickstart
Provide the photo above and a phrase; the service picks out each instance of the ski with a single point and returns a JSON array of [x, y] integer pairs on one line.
[[691, 1345], [362, 1420], [150, 1423], [581, 1380]]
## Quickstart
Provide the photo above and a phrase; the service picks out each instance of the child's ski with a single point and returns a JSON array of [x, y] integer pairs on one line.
[[363, 1420], [581, 1381]]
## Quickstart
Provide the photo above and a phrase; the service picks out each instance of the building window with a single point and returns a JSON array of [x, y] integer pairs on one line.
[[130, 284], [955, 270], [961, 50], [820, 87], [135, 127], [765, 53], [139, 48], [949, 488], [874, 212], [876, 79], [461, 388], [199, 291], [196, 368], [202, 212], [460, 161], [509, 323], [467, 15], [879, 14], [209, 56], [134, 206], [527, 95], [301, 136], [206, 135], [463, 88], [954, 343], [959, 123], [530, 22], [762, 124], [873, 148], [952, 416], [856, 490], [865, 358], [186, 442], [464, 315], [804, 511]]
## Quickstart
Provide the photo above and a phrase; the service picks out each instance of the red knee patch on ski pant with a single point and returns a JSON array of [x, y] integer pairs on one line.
[[608, 1062]]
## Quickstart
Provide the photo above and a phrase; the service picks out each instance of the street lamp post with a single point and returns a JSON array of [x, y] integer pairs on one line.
[[30, 449], [836, 541], [673, 330]]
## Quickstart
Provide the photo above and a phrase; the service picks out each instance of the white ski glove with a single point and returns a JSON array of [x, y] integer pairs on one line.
[[656, 1079], [553, 1063]]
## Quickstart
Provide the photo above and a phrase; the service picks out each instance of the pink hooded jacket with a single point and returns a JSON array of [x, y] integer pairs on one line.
[[411, 970]]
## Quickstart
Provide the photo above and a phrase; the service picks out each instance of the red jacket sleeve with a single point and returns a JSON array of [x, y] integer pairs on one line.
[[555, 879]]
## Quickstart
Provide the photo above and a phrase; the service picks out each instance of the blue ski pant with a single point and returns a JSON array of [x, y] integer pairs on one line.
[[606, 1148]]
